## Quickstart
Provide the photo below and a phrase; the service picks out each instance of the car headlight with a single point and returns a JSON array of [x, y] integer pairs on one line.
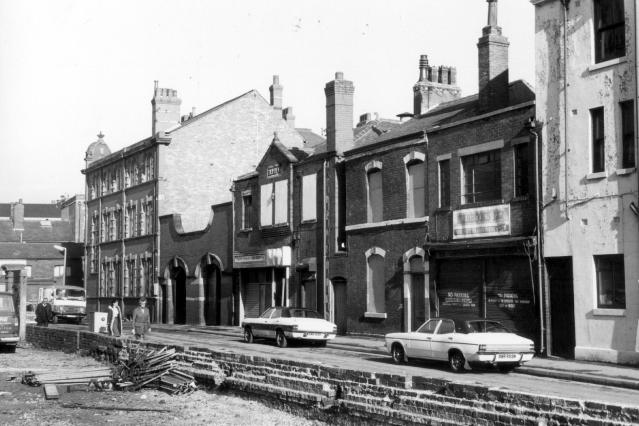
[[532, 347], [482, 348]]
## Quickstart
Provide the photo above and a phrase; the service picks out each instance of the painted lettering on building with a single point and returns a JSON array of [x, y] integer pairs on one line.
[[478, 222]]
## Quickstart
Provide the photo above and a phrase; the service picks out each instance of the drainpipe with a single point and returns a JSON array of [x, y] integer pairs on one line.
[[636, 59], [565, 4], [325, 244], [530, 125]]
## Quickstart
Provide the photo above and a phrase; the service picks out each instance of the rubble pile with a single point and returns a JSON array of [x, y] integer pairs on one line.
[[135, 368], [140, 367]]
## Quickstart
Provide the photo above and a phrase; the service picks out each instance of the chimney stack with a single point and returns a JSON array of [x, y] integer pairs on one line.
[[493, 63], [276, 92], [288, 116], [339, 114], [17, 215], [165, 109], [435, 86]]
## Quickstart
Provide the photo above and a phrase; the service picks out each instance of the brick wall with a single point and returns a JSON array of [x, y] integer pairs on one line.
[[347, 396]]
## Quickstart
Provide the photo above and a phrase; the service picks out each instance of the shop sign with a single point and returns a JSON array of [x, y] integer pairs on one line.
[[459, 299], [488, 221], [508, 300], [280, 256], [273, 171]]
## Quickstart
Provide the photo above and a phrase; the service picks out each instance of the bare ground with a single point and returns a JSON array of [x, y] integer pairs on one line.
[[23, 404]]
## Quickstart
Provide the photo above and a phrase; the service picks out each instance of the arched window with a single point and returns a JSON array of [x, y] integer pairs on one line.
[[376, 285], [375, 196]]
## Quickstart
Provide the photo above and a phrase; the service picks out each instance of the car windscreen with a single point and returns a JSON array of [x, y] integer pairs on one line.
[[486, 327], [6, 304], [304, 313], [69, 294]]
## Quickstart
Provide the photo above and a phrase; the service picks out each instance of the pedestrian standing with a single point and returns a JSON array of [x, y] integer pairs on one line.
[[114, 319], [44, 313], [141, 319]]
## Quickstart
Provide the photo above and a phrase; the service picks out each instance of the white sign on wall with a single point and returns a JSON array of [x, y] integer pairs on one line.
[[479, 222]]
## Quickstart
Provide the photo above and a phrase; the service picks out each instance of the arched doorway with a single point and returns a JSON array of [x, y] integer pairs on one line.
[[178, 276], [416, 293], [212, 293], [339, 304]]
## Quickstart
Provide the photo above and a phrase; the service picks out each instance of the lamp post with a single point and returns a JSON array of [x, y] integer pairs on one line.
[[64, 271]]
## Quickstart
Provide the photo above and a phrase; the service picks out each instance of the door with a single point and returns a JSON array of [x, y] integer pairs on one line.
[[179, 280], [562, 313], [420, 345], [418, 301], [339, 299], [442, 340]]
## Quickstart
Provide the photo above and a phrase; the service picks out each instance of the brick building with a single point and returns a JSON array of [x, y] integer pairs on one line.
[[181, 169], [289, 240], [28, 234], [440, 217], [586, 68]]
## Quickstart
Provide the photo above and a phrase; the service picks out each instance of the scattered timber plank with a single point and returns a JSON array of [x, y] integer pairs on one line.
[[51, 391]]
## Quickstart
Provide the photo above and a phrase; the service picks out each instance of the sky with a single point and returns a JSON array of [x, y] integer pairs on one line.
[[73, 68]]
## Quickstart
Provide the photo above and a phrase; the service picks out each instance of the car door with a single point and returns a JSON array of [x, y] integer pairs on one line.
[[419, 346], [443, 339], [260, 327]]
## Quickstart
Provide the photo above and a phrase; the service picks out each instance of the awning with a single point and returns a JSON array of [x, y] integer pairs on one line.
[[466, 247]]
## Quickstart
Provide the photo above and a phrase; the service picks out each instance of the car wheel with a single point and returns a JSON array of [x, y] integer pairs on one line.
[[281, 339], [322, 343], [456, 361], [248, 335], [398, 354], [11, 349]]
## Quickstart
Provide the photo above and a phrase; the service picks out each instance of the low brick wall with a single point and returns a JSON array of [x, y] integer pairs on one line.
[[344, 396]]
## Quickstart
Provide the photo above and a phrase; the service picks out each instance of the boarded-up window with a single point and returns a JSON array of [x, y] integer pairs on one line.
[[375, 205], [375, 286], [416, 195], [598, 149], [266, 204], [309, 197], [281, 201], [247, 206]]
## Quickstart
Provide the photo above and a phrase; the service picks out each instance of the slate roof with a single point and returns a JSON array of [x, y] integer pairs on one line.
[[49, 211], [5, 210], [34, 231], [450, 112], [311, 139], [367, 133]]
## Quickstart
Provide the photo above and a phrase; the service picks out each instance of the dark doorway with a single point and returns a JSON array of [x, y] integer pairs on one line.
[[178, 275], [339, 306], [418, 305], [562, 312], [212, 294]]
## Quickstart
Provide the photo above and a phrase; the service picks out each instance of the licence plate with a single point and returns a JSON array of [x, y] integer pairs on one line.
[[508, 357], [314, 333]]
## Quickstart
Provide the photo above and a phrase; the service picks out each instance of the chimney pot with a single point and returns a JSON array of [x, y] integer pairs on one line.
[[339, 75], [276, 91], [339, 114]]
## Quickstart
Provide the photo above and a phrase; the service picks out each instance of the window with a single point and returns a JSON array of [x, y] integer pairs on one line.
[[58, 271], [597, 122], [376, 289], [93, 261], [611, 286], [131, 220], [444, 183], [247, 206], [27, 271], [375, 196], [309, 197], [610, 41], [274, 203], [627, 134], [143, 218], [429, 327], [521, 169], [416, 195], [340, 207], [481, 177]]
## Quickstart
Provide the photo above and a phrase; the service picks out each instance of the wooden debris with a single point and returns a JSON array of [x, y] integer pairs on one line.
[[51, 392]]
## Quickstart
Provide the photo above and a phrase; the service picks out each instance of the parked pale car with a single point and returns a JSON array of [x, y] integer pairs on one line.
[[283, 324], [462, 343]]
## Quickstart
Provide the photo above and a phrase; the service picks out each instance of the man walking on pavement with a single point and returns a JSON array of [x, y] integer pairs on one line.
[[141, 319], [43, 313]]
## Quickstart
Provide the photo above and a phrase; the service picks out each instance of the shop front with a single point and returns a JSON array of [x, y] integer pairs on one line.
[[264, 279]]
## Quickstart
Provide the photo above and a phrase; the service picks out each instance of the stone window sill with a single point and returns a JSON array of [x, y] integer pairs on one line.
[[597, 175], [627, 171], [606, 64], [375, 315], [609, 312]]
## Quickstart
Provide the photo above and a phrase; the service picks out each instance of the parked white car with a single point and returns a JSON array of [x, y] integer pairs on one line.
[[462, 343], [282, 324]]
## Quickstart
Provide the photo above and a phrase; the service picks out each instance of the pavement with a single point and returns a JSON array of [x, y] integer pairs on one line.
[[599, 373]]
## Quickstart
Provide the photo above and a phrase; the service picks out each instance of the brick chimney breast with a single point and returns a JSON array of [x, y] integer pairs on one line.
[[17, 215], [493, 63], [339, 114], [435, 86]]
